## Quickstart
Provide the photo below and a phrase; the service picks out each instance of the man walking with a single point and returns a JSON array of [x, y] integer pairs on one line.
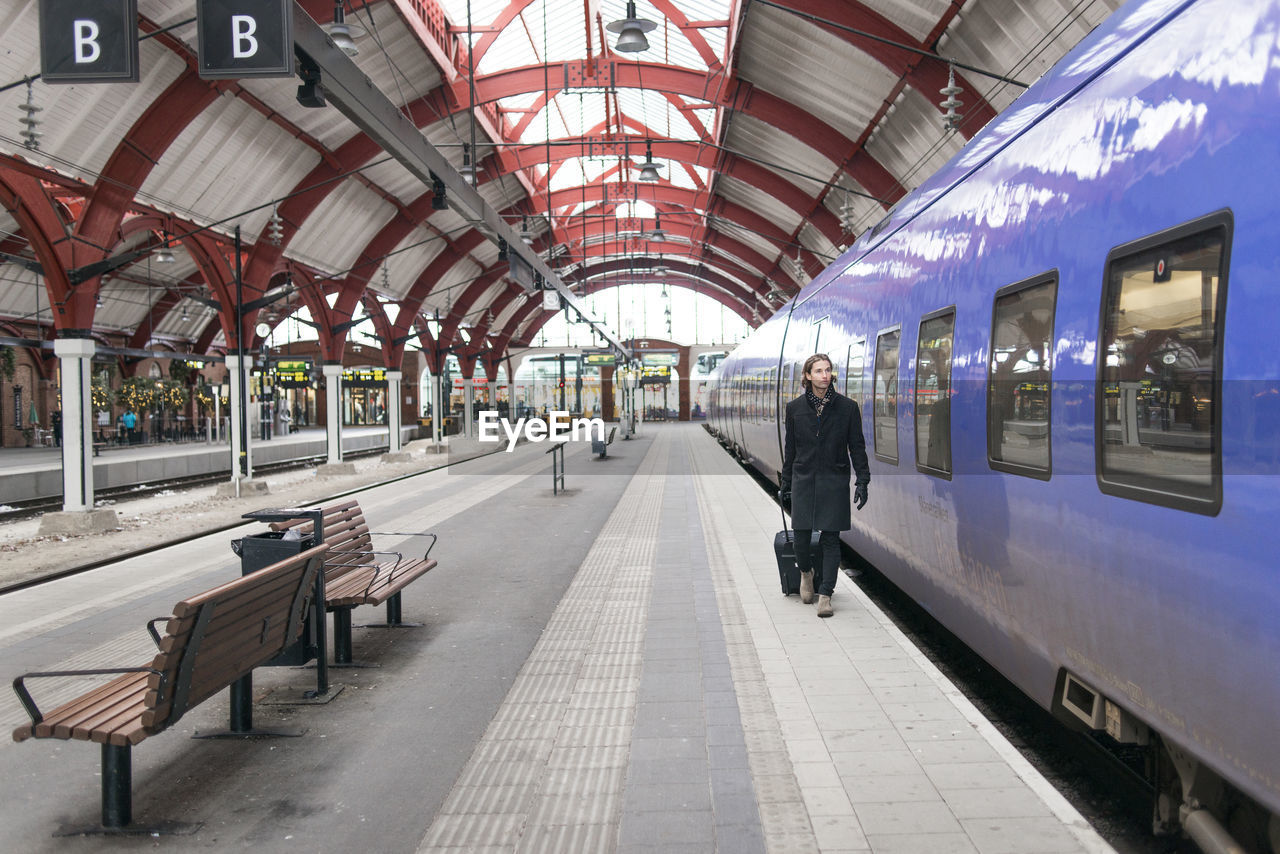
[[823, 435]]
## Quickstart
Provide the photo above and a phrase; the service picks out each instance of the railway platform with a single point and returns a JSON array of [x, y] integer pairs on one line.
[[609, 668], [36, 472]]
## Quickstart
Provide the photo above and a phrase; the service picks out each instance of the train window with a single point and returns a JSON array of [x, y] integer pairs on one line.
[[886, 391], [1160, 367], [1020, 370], [773, 394], [933, 393], [854, 365]]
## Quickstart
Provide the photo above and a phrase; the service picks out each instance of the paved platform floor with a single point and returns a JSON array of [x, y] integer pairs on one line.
[[608, 669]]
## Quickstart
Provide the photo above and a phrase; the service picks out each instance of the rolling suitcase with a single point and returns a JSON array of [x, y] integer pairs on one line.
[[784, 548]]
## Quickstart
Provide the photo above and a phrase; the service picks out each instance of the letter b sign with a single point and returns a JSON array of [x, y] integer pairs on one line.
[[245, 38], [88, 42]]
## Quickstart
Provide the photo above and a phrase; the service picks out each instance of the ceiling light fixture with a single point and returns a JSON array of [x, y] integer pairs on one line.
[[631, 30], [343, 34], [658, 233], [163, 255], [649, 168], [525, 234]]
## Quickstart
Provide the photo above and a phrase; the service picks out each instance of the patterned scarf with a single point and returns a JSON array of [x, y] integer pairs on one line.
[[818, 403]]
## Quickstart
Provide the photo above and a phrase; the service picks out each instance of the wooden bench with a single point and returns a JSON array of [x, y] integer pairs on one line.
[[355, 574], [209, 642]]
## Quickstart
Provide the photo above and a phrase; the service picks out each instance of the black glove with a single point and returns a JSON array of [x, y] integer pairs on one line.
[[784, 496], [860, 495]]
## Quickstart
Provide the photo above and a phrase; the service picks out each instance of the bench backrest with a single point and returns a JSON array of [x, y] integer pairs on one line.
[[222, 634], [345, 533]]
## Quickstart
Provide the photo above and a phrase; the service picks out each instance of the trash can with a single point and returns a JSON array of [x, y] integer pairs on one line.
[[258, 551]]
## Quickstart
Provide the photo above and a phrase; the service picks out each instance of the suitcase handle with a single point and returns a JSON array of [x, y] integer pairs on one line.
[[782, 509]]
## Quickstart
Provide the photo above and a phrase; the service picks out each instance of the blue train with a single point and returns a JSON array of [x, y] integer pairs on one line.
[[1065, 346]]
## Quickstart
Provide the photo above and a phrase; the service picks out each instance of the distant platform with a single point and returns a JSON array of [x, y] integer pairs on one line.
[[37, 472]]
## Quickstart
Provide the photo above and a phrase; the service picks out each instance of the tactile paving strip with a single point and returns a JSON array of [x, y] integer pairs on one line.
[[579, 683]]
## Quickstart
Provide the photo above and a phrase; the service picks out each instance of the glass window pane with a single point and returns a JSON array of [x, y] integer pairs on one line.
[[1018, 391], [886, 414], [933, 393], [855, 364], [1159, 373]]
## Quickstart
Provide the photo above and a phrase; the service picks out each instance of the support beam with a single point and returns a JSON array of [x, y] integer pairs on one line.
[[348, 89]]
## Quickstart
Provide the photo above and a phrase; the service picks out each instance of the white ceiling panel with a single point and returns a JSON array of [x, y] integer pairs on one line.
[[335, 234], [229, 159], [760, 202], [780, 152], [407, 261], [394, 178], [814, 69], [917, 17]]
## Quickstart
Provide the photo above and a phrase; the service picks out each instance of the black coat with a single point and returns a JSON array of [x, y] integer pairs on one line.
[[816, 462]]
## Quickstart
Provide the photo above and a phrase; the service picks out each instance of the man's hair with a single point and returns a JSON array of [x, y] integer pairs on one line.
[[808, 366]]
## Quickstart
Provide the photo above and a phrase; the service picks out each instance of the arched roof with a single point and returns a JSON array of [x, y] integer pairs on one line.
[[783, 128]]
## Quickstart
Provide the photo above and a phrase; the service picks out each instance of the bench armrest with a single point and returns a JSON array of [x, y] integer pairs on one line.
[[433, 537], [377, 569], [151, 628], [24, 696]]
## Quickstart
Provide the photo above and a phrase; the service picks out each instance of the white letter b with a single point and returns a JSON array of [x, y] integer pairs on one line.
[[87, 49], [242, 29]]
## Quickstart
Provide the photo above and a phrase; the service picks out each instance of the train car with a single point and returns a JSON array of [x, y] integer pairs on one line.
[[1063, 345]]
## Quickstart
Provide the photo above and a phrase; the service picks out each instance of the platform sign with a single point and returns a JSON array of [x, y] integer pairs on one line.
[[244, 38], [659, 359], [364, 377], [293, 373], [655, 376], [607, 359], [89, 42]]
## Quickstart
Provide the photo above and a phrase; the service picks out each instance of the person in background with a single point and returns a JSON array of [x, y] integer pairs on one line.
[[823, 436]]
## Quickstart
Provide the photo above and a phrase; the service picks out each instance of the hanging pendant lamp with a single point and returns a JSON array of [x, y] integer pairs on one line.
[[649, 168], [631, 30]]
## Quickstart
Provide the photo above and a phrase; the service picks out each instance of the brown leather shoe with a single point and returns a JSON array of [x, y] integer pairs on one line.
[[824, 606], [806, 587]]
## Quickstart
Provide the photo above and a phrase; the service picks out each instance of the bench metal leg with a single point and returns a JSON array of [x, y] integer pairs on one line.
[[117, 803], [394, 618], [342, 636], [117, 785]]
